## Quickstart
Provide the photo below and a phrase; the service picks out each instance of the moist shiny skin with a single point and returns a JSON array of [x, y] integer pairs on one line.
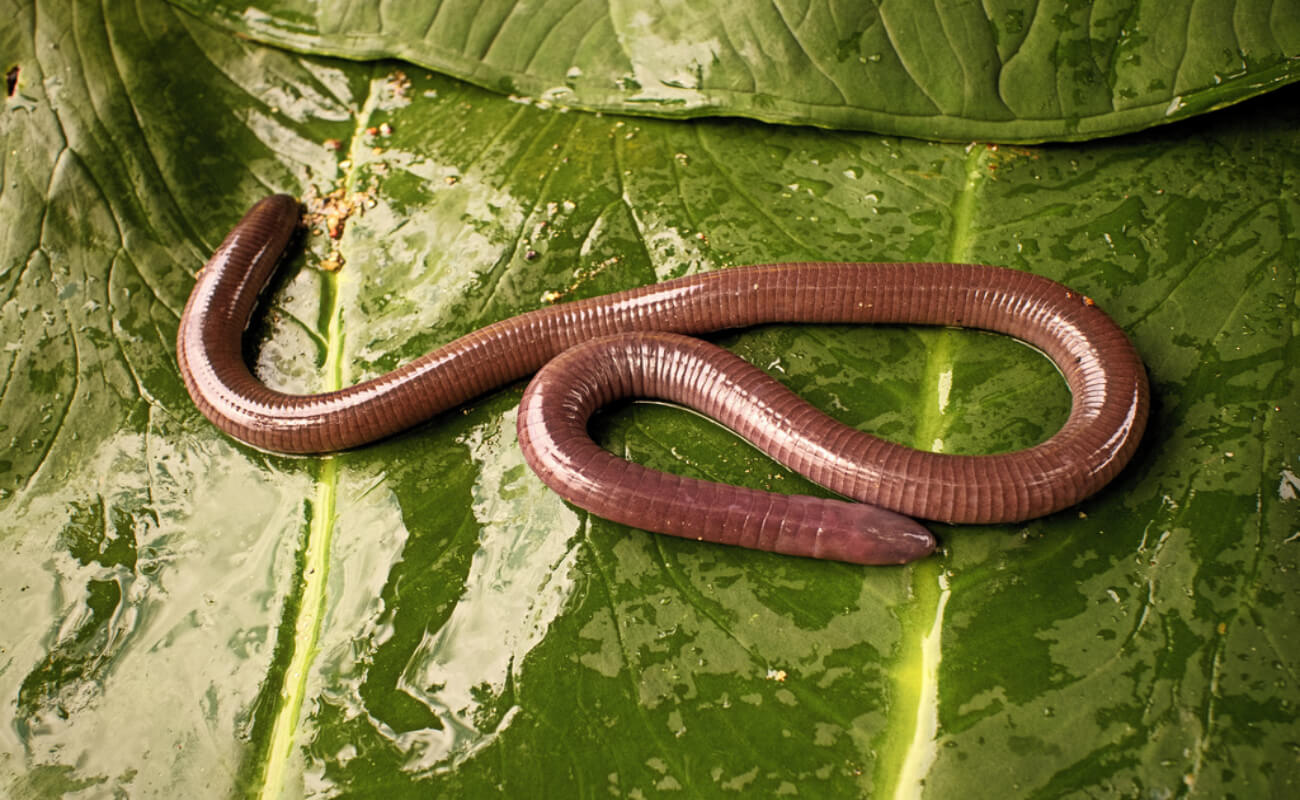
[[603, 362]]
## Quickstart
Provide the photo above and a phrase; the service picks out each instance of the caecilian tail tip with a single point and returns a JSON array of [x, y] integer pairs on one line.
[[900, 542], [858, 533], [914, 543]]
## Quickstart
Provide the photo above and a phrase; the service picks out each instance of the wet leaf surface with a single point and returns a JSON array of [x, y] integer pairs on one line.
[[422, 616], [1022, 71]]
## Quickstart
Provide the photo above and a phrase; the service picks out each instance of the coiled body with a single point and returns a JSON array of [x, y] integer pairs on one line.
[[1098, 361]]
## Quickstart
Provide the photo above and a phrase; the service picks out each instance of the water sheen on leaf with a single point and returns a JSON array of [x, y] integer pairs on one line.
[[188, 617], [1017, 71]]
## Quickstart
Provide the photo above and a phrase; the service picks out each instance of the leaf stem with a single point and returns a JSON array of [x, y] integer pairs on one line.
[[320, 535], [914, 714], [961, 237], [923, 673], [937, 379], [306, 629], [315, 573]]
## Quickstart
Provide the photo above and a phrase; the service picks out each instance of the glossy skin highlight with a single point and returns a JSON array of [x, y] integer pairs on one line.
[[623, 345]]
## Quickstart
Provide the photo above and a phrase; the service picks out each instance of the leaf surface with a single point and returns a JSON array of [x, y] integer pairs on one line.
[[1009, 71], [187, 616]]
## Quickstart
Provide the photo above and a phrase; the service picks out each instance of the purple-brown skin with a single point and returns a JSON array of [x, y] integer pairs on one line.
[[625, 345]]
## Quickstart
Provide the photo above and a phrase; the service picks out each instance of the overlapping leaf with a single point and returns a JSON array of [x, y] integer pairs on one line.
[[1010, 71]]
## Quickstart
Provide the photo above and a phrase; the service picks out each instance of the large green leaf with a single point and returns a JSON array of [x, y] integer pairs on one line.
[[188, 617], [1008, 70]]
